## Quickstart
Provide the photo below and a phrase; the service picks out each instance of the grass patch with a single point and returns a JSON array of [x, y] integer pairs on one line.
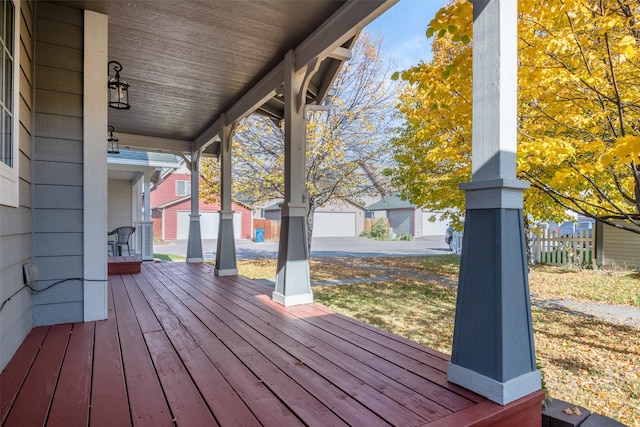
[[587, 362], [612, 286], [169, 257]]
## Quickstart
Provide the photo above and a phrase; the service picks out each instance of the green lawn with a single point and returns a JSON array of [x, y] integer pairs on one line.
[[584, 361], [168, 257]]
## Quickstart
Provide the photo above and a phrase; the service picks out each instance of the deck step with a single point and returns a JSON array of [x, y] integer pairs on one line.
[[124, 264]]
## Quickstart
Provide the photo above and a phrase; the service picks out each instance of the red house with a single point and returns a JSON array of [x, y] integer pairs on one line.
[[171, 205]]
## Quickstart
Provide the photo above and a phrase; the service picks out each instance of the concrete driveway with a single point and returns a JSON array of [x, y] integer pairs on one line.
[[356, 247]]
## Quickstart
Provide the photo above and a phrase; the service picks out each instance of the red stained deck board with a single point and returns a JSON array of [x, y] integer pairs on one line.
[[228, 407], [358, 379], [15, 373], [186, 403], [340, 401], [434, 358], [146, 318], [216, 346], [70, 405], [429, 409], [269, 410], [441, 397], [524, 412], [109, 402], [301, 402], [32, 404], [146, 398], [443, 394], [426, 409], [455, 398]]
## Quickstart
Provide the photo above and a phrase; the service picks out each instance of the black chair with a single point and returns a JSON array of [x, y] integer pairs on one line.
[[122, 239]]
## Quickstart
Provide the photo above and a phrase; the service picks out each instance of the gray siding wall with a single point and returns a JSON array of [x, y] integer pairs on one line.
[[619, 247], [15, 223], [120, 201], [57, 164]]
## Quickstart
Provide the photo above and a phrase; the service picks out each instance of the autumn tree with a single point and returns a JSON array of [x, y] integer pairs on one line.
[[579, 111], [346, 144]]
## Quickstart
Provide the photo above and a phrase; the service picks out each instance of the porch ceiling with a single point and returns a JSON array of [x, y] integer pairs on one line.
[[188, 62]]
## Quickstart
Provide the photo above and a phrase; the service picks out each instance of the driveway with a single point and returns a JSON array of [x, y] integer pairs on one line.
[[356, 247]]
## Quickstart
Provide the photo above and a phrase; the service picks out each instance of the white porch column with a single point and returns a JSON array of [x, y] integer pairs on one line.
[[95, 166], [226, 264], [194, 244], [293, 282], [493, 349], [146, 226]]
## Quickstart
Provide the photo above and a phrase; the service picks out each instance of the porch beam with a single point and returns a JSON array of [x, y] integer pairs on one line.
[[345, 23], [226, 264], [493, 349], [324, 42], [151, 143], [194, 242], [293, 282]]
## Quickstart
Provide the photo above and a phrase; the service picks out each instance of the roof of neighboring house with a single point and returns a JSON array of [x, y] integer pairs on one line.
[[276, 206], [389, 203], [183, 198], [144, 158]]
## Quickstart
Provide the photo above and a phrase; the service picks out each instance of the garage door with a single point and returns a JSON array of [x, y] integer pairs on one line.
[[437, 228], [334, 224], [208, 225]]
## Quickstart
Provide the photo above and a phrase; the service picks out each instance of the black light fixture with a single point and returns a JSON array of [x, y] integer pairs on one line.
[[113, 146], [118, 88]]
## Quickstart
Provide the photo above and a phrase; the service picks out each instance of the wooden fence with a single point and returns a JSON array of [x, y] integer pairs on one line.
[[271, 228], [368, 223], [569, 249]]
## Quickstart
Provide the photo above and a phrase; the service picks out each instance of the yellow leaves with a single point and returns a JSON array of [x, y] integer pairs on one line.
[[628, 45], [573, 411], [579, 84]]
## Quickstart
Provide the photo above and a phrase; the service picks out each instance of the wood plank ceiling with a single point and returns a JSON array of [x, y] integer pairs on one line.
[[189, 61]]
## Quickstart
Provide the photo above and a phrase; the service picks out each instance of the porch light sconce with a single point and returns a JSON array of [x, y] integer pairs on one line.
[[113, 146], [118, 88]]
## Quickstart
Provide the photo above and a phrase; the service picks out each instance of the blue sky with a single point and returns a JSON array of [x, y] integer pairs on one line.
[[402, 29]]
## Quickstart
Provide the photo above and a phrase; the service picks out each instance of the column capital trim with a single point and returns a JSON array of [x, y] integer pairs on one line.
[[494, 194], [293, 209], [494, 183]]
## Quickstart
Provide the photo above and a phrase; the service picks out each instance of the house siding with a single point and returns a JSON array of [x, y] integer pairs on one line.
[[58, 164], [15, 222], [120, 204], [619, 247]]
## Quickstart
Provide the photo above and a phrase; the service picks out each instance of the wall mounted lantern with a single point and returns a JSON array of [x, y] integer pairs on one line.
[[113, 146], [118, 88]]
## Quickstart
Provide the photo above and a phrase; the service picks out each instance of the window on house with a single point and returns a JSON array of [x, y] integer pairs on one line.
[[183, 188], [6, 71], [9, 60]]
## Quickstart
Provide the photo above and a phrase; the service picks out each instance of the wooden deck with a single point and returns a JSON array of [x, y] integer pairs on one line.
[[183, 347], [123, 264]]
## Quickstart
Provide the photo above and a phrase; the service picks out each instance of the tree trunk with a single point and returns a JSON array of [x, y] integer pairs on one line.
[[310, 213]]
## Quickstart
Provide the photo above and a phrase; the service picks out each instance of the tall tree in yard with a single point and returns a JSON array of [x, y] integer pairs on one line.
[[579, 111], [346, 143]]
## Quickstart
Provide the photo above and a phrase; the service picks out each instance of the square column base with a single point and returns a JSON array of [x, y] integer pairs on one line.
[[501, 393], [289, 300], [225, 272]]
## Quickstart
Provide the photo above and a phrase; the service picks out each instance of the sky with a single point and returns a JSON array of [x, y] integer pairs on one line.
[[403, 28]]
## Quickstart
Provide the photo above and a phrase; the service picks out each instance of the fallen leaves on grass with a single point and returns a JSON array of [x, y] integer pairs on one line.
[[612, 286]]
